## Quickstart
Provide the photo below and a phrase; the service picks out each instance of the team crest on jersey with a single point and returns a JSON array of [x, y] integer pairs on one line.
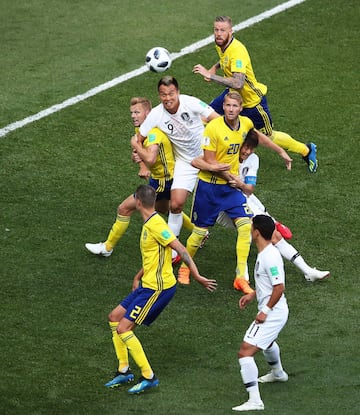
[[165, 234], [145, 235], [185, 116], [274, 272], [205, 141], [238, 64]]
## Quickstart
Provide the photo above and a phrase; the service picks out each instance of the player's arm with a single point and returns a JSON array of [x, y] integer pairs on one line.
[[276, 294], [201, 164], [210, 285], [137, 278], [265, 141], [148, 155], [236, 81], [236, 182], [144, 172], [210, 159]]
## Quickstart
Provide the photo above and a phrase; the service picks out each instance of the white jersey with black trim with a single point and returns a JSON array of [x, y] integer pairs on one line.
[[184, 128], [269, 271]]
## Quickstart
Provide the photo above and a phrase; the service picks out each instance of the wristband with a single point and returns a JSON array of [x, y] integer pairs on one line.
[[266, 310]]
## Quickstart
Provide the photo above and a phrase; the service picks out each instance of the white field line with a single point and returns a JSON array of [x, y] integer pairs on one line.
[[107, 85]]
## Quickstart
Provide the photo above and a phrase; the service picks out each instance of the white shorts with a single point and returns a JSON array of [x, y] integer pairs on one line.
[[262, 335], [185, 176]]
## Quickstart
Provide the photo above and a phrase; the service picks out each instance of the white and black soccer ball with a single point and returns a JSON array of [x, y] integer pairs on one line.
[[158, 59]]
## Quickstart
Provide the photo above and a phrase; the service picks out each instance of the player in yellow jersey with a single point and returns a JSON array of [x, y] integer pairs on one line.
[[235, 62], [154, 287], [156, 158], [222, 140]]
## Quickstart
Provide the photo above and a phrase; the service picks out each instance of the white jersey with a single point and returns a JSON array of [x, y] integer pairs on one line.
[[269, 271], [184, 129]]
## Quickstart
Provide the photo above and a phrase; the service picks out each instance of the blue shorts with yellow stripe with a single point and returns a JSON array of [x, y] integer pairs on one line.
[[210, 199], [143, 305], [162, 188], [259, 115]]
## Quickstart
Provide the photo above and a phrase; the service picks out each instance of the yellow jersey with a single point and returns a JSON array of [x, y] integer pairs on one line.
[[156, 254], [234, 59], [165, 161], [226, 143]]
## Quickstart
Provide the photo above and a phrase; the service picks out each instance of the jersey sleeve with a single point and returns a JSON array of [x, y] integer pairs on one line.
[[163, 234], [275, 269], [252, 169]]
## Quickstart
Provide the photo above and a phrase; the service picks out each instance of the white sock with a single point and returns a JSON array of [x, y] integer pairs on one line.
[[175, 221], [291, 254], [272, 356], [249, 373]]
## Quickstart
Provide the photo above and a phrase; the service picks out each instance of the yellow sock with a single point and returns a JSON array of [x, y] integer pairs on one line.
[[187, 224], [243, 227], [120, 348], [117, 231], [137, 353], [288, 143], [194, 241]]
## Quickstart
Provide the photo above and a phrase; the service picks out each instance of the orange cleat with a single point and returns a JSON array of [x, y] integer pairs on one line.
[[184, 275], [241, 284]]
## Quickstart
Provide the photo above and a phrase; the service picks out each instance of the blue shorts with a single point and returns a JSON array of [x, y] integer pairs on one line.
[[143, 305], [211, 199], [259, 115], [162, 188]]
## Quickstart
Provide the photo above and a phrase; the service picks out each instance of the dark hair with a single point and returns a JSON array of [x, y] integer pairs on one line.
[[146, 194], [265, 225], [251, 139], [168, 80]]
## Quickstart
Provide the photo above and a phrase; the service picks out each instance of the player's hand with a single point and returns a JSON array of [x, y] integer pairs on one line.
[[260, 318], [202, 71], [210, 285], [246, 299], [288, 160], [144, 173]]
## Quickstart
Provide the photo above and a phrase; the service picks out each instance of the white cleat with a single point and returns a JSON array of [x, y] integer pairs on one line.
[[316, 275], [249, 406], [98, 249], [270, 378]]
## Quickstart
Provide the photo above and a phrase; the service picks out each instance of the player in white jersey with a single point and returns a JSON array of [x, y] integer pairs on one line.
[[271, 317], [246, 182], [181, 118]]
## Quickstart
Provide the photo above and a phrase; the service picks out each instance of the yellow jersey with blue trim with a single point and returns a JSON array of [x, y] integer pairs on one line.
[[236, 58], [226, 143], [156, 254], [163, 168]]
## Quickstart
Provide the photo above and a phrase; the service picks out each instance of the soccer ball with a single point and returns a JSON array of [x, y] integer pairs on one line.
[[158, 59]]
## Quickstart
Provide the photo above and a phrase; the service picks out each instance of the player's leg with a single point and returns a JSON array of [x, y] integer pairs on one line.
[[277, 373], [119, 227], [203, 216], [243, 228], [291, 254], [249, 374], [261, 117], [123, 373]]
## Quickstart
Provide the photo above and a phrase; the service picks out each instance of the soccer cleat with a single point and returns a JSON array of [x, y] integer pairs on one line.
[[249, 406], [311, 159], [270, 378], [241, 284], [283, 230], [316, 275], [176, 259], [98, 249], [184, 275], [205, 238], [120, 379], [144, 384]]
